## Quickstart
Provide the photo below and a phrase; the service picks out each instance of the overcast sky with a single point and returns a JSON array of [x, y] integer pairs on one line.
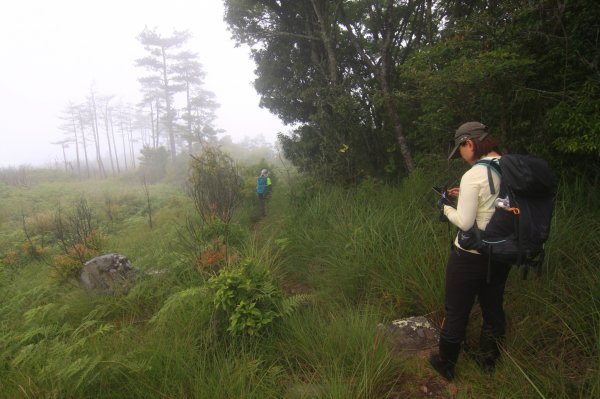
[[53, 50]]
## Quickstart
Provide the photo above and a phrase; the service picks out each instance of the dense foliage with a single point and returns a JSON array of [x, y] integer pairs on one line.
[[373, 87]]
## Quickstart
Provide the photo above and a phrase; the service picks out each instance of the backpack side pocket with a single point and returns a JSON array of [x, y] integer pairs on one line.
[[471, 239]]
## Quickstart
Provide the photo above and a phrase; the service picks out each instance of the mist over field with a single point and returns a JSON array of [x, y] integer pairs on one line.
[[59, 52]]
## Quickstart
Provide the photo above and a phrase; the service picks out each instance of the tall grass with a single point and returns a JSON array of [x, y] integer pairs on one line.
[[375, 242], [363, 256], [556, 339], [383, 245], [332, 349]]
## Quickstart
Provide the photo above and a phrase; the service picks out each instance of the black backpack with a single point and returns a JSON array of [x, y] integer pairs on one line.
[[520, 226]]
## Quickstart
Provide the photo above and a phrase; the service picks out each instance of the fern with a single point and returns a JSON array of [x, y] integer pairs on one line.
[[178, 301], [84, 327], [41, 333], [79, 369], [24, 356], [290, 304], [41, 313]]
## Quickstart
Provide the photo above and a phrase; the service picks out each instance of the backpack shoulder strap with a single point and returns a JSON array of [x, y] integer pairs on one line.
[[491, 164]]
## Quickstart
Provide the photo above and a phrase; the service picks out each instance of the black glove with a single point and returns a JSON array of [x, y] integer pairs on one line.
[[440, 204]]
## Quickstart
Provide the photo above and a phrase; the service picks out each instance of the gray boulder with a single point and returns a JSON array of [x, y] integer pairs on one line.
[[416, 337], [413, 335], [107, 274]]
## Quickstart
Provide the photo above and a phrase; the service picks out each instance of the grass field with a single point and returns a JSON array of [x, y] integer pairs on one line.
[[291, 310]]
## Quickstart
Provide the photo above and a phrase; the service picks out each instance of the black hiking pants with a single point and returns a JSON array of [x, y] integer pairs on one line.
[[466, 275]]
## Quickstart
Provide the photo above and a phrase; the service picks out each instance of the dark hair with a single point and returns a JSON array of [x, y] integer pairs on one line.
[[485, 146]]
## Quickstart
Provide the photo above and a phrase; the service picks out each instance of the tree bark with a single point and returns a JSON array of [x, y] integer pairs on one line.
[[84, 142], [326, 30], [75, 136], [168, 113], [385, 74], [112, 133], [189, 116], [131, 144], [107, 129], [96, 133], [382, 71]]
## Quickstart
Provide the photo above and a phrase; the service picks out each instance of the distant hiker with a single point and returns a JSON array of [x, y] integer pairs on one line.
[[263, 184], [263, 188], [269, 190], [467, 270]]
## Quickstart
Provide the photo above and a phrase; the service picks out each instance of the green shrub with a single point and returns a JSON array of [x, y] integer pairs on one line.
[[249, 299], [214, 185], [70, 264]]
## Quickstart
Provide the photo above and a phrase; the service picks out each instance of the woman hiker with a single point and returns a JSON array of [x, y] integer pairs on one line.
[[466, 270], [263, 189]]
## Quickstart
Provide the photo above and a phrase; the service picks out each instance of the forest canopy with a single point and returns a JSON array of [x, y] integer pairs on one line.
[[377, 87]]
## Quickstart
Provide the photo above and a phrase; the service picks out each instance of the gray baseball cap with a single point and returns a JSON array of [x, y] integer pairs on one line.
[[466, 131]]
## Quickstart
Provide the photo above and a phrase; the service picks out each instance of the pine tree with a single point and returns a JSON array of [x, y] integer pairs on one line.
[[160, 62]]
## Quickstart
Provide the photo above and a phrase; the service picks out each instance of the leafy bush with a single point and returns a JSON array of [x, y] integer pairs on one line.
[[215, 185], [249, 299], [214, 256], [69, 265], [33, 249], [10, 258], [211, 245], [76, 227]]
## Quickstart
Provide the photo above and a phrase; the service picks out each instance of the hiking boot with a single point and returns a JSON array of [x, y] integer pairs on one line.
[[488, 353], [444, 361]]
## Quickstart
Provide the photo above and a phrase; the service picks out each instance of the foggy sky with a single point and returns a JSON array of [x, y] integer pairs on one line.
[[52, 51]]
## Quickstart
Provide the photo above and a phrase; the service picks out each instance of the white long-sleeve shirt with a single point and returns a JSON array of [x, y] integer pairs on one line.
[[475, 201]]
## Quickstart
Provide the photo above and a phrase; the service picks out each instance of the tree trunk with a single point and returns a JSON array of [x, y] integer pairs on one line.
[[384, 77], [326, 31], [131, 144], [112, 133], [382, 71], [107, 129], [84, 143], [122, 132], [156, 137], [64, 156], [74, 124], [152, 129], [124, 151], [429, 22], [168, 111], [96, 133], [189, 121]]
